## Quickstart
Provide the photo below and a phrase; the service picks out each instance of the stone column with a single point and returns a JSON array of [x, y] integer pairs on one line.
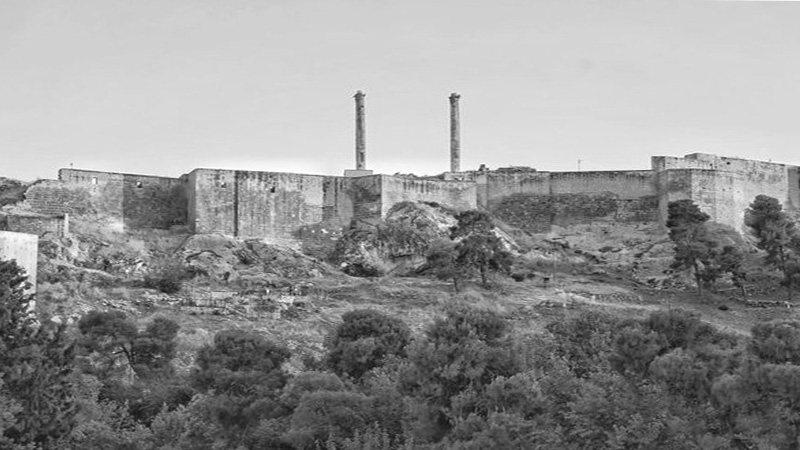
[[455, 134], [361, 145]]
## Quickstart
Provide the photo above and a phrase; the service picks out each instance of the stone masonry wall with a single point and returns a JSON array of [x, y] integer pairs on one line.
[[51, 197], [24, 249], [212, 201], [724, 187], [153, 202], [35, 224], [274, 205], [139, 201], [534, 201], [455, 194], [312, 210], [113, 199], [538, 213], [345, 199], [304, 210], [282, 208]]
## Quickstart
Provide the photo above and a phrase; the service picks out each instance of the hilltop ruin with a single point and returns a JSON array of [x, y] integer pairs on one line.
[[296, 209]]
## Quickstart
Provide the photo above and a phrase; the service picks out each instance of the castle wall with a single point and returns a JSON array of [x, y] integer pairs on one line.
[[24, 249], [39, 225], [501, 184], [312, 210], [274, 205], [56, 198], [114, 199], [535, 201], [212, 201], [724, 187], [455, 194], [282, 208], [622, 184], [153, 202], [304, 210], [367, 197]]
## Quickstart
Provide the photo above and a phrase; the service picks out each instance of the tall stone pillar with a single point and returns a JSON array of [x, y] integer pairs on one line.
[[361, 144], [361, 141], [455, 134]]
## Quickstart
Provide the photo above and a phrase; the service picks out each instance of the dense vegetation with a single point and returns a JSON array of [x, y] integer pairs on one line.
[[468, 381]]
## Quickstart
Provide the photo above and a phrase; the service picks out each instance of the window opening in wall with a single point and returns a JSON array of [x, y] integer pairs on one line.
[[222, 184], [272, 190], [94, 180], [138, 184]]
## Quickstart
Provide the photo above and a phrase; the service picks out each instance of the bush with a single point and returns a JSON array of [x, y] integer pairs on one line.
[[325, 415], [363, 341], [166, 275], [306, 382], [241, 363]]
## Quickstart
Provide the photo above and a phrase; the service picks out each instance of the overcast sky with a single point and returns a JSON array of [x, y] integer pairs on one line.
[[165, 86]]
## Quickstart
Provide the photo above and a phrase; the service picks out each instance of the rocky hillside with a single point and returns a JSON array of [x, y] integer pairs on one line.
[[397, 245], [11, 191], [224, 282]]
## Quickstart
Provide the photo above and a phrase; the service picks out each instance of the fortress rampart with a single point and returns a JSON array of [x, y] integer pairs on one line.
[[310, 210], [534, 201], [283, 206], [724, 187], [305, 210]]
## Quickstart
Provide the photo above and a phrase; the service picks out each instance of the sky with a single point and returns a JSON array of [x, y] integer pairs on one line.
[[165, 86]]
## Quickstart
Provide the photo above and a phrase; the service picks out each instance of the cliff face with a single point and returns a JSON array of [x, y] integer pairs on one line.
[[396, 244]]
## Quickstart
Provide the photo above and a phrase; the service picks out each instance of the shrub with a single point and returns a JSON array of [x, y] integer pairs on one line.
[[166, 275], [241, 363], [325, 415], [363, 341], [306, 382]]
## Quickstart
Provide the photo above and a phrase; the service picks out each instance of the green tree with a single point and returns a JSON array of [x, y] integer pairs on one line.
[[101, 423], [8, 412], [694, 246], [484, 252], [472, 221], [242, 373], [778, 236], [731, 260], [116, 343], [306, 382], [776, 342], [241, 363], [326, 415], [466, 349], [584, 342], [477, 246], [442, 261], [154, 348], [36, 360], [363, 340]]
